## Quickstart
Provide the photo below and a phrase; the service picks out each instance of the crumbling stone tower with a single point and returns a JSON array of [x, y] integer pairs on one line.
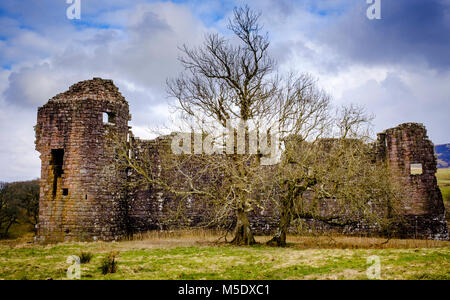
[[81, 192], [410, 154]]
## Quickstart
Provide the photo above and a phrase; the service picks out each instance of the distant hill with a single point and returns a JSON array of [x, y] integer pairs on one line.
[[443, 154]]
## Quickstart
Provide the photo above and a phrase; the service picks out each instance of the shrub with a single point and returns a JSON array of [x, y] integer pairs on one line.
[[109, 264], [85, 257]]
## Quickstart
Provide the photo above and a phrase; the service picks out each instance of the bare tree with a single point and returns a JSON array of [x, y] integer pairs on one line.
[[334, 179], [225, 184], [236, 80], [225, 81]]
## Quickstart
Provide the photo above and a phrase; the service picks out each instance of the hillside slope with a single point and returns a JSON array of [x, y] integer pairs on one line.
[[443, 154]]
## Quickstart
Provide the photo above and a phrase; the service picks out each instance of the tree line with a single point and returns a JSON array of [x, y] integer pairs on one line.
[[19, 204]]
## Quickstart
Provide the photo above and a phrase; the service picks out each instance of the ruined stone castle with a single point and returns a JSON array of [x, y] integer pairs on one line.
[[82, 194]]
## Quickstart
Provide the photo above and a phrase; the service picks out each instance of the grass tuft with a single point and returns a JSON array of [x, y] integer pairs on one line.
[[109, 264], [85, 257]]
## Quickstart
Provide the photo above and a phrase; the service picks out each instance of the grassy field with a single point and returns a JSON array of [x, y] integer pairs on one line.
[[198, 255], [443, 177], [187, 255]]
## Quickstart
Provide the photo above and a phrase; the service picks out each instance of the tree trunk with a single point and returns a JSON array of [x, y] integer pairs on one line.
[[294, 190], [243, 234], [11, 222], [285, 220]]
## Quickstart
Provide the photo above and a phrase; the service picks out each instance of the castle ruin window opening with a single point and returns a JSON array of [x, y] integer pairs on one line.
[[57, 162], [416, 169], [109, 118]]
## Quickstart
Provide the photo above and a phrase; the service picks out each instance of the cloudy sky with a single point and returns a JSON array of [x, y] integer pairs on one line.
[[398, 67]]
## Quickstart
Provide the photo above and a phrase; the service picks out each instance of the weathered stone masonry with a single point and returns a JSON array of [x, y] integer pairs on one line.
[[81, 186], [83, 194], [405, 147]]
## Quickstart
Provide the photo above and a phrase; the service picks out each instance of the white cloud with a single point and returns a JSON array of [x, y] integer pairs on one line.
[[406, 96], [138, 50], [138, 57]]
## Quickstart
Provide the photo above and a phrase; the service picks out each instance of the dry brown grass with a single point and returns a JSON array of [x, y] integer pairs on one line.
[[347, 242], [23, 241], [199, 237], [174, 238]]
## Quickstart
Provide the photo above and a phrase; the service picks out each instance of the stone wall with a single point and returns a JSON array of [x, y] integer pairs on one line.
[[410, 154], [152, 208], [86, 194]]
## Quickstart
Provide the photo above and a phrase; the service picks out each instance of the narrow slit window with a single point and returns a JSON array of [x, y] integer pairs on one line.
[[65, 192], [56, 163], [416, 169]]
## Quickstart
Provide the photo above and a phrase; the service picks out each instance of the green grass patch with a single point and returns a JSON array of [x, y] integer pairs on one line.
[[222, 262], [443, 178], [443, 174], [446, 193]]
